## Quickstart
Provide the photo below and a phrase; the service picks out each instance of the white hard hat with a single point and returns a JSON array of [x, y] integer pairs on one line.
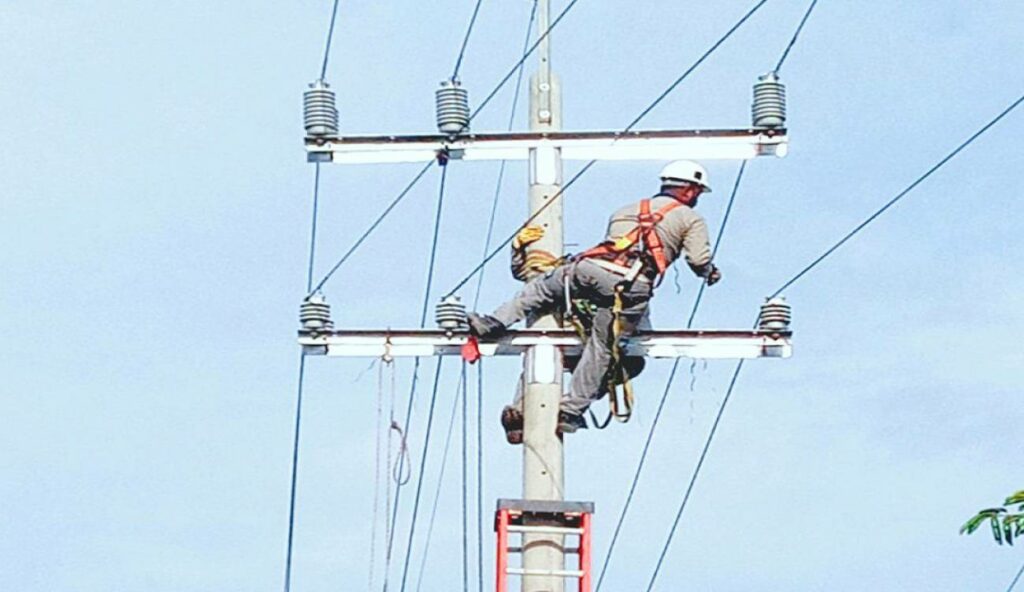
[[685, 171]]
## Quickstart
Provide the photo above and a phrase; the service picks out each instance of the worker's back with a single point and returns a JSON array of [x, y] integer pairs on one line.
[[681, 230]]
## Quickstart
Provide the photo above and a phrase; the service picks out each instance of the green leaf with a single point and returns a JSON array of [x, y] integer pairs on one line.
[[978, 519], [996, 531], [1008, 530], [1017, 498]]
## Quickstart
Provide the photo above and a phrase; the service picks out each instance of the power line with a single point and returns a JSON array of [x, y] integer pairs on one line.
[[465, 40], [628, 128], [437, 491], [898, 197], [416, 179], [739, 366], [792, 41], [696, 473], [1015, 579], [419, 477], [294, 479], [373, 226], [330, 37], [668, 387], [501, 169], [414, 382]]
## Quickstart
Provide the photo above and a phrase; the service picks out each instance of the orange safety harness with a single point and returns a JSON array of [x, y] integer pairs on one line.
[[641, 240]]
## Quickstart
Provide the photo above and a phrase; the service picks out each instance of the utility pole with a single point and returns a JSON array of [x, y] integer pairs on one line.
[[543, 455]]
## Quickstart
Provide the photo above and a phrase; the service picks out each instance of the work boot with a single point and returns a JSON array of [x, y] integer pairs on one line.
[[512, 421], [570, 422], [485, 326]]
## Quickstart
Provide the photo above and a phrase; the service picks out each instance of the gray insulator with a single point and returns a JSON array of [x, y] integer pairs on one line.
[[450, 313], [319, 112], [769, 107], [776, 315], [452, 108], [315, 314]]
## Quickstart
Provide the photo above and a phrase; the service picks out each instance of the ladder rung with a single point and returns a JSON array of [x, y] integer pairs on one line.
[[567, 549], [544, 529], [564, 573]]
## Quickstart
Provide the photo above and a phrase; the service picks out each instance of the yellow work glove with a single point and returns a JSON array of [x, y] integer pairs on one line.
[[527, 235]]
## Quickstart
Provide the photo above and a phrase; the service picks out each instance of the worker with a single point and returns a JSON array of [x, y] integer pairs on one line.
[[617, 277], [528, 265]]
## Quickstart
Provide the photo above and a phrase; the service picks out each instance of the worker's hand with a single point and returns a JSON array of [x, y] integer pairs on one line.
[[527, 235], [714, 276]]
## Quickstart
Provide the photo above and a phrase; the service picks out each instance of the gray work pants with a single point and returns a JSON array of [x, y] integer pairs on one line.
[[545, 295]]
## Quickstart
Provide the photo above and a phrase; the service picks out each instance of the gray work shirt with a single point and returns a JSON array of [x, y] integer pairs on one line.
[[682, 230]]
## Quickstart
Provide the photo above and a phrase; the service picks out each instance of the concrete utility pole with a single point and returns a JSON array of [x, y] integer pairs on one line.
[[543, 457]]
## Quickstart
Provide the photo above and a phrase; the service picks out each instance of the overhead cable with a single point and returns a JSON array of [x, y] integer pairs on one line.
[[330, 37], [465, 40], [696, 473], [415, 378], [416, 179], [628, 128], [667, 389], [1015, 579], [792, 41], [419, 477], [372, 227], [739, 366], [897, 198], [440, 481]]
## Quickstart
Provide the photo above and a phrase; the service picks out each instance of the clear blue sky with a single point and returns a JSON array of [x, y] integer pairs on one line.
[[154, 227]]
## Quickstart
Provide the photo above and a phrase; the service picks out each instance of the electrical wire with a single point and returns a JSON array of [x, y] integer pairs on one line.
[[440, 482], [465, 40], [739, 365], [372, 227], [480, 478], [501, 169], [898, 197], [628, 128], [419, 176], [668, 387], [415, 378], [1015, 579], [330, 37], [792, 41], [696, 473], [465, 479], [419, 477]]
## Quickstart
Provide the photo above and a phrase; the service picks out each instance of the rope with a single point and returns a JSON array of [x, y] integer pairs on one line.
[[898, 197], [330, 36], [377, 461], [415, 373], [628, 128], [792, 42], [465, 40], [668, 387]]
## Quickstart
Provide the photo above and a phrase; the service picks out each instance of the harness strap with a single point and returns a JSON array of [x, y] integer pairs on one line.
[[644, 235]]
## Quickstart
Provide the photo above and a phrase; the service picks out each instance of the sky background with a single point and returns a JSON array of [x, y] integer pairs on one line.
[[155, 210]]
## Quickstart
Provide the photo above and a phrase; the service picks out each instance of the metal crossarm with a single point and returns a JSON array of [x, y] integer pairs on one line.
[[735, 144], [703, 344]]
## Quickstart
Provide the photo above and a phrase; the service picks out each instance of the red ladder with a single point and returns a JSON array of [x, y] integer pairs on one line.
[[543, 517]]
